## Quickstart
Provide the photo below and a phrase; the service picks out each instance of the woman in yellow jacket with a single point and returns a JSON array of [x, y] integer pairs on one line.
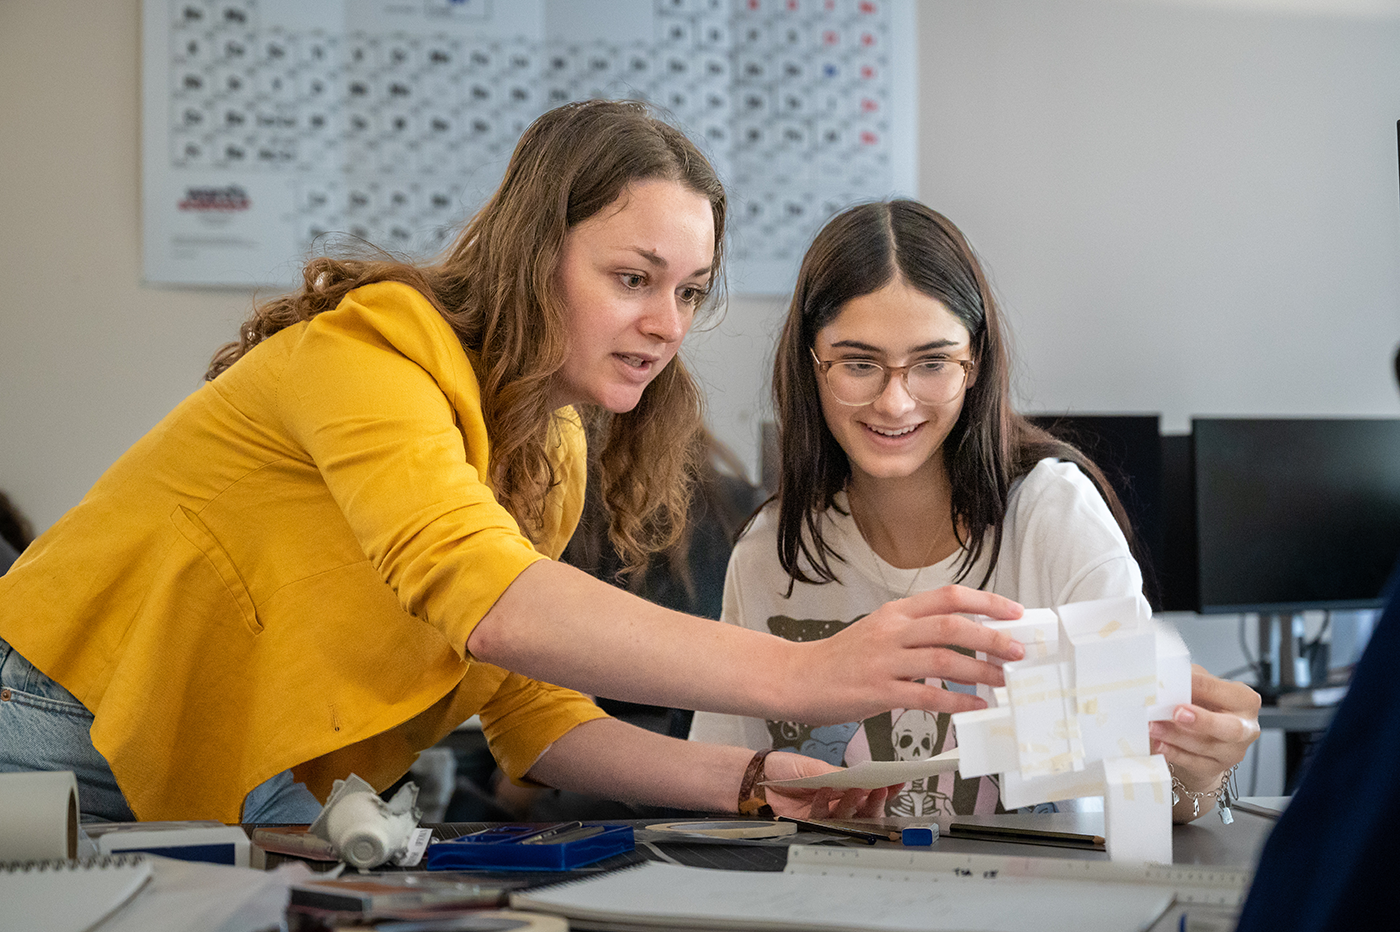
[[341, 546]]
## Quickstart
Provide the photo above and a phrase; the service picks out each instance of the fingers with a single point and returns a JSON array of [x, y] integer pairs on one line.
[[872, 663], [943, 664], [1196, 771], [826, 803], [847, 804], [1223, 735], [821, 803], [852, 804], [1217, 726], [1211, 692], [874, 805], [962, 600], [932, 698], [923, 630], [1201, 745]]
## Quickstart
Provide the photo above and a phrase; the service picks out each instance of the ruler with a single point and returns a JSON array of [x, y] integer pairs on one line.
[[1222, 886]]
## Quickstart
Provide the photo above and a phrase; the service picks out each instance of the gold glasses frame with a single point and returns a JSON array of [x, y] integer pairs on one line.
[[824, 366]]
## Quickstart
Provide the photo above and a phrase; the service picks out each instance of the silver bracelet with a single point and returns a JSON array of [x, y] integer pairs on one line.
[[1221, 795]]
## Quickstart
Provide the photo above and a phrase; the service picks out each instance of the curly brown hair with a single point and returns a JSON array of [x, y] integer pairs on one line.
[[495, 286]]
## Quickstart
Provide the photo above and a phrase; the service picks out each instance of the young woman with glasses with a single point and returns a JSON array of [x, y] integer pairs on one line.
[[904, 469]]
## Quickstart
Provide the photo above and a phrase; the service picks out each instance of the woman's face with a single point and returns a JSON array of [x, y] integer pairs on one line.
[[893, 436], [631, 277]]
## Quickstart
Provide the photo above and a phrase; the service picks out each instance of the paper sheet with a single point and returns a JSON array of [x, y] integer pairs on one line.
[[873, 774], [186, 895], [656, 896]]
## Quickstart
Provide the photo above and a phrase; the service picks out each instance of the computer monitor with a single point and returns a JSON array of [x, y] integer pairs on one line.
[[1128, 448], [1295, 514]]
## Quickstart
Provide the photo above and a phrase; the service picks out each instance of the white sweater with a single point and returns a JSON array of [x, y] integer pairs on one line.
[[1060, 545]]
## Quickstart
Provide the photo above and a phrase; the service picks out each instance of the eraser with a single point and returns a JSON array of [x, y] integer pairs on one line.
[[922, 835]]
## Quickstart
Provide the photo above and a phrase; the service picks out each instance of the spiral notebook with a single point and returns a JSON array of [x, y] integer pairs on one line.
[[67, 896]]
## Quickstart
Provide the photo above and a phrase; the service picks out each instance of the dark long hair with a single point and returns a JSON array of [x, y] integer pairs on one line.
[[857, 253], [495, 286]]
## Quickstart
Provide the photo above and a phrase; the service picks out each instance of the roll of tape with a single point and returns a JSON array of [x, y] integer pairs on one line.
[[39, 811]]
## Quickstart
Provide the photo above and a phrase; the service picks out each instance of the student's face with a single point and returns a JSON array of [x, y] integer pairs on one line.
[[893, 436], [631, 277]]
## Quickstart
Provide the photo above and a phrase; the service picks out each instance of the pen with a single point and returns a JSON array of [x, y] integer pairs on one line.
[[564, 836], [867, 835], [548, 834], [1028, 835]]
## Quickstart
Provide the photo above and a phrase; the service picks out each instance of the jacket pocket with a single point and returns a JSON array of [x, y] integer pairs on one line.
[[193, 530]]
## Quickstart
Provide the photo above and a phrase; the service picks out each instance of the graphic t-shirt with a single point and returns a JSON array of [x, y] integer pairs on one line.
[[1060, 545]]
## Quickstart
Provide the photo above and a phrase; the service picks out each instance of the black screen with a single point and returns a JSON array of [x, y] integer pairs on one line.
[[1295, 514], [1128, 448]]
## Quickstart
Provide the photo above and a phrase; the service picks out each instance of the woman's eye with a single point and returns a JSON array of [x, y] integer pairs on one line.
[[692, 295], [861, 368], [932, 366], [632, 279]]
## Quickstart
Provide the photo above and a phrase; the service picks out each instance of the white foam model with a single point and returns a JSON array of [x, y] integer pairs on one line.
[[1072, 718]]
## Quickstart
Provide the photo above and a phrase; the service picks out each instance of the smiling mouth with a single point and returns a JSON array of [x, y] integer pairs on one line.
[[893, 434]]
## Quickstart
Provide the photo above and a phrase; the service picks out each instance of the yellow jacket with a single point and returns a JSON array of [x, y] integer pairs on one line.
[[285, 570]]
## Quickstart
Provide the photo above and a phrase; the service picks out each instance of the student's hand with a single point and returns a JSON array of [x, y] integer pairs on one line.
[[818, 804], [874, 665], [1207, 737]]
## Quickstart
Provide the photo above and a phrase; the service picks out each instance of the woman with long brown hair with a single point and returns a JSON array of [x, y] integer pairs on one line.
[[904, 470], [340, 547]]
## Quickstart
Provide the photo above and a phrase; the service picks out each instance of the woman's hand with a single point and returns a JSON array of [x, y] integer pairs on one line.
[[1207, 737], [875, 664], [818, 804]]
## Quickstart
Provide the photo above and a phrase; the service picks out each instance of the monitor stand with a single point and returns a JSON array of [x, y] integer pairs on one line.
[[1283, 665]]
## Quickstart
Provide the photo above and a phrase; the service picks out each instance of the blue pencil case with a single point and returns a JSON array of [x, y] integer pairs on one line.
[[504, 848]]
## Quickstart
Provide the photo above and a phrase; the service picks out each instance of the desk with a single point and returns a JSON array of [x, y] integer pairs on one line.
[[1206, 842]]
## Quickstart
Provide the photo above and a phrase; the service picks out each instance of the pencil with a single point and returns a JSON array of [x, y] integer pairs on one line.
[[1027, 835], [868, 835]]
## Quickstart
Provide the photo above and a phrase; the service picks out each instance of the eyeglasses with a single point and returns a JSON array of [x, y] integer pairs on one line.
[[859, 381]]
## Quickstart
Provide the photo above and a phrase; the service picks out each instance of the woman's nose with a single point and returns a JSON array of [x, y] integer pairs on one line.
[[667, 319], [894, 398]]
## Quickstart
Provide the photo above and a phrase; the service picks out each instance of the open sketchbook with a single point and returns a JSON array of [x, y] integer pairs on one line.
[[669, 896], [67, 896]]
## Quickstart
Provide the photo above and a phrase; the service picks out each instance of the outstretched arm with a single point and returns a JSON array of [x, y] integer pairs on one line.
[[615, 760], [558, 624], [1206, 738]]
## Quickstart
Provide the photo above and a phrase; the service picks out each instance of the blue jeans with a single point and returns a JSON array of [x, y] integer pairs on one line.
[[44, 727]]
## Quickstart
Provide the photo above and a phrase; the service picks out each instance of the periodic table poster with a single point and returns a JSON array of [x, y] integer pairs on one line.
[[271, 127]]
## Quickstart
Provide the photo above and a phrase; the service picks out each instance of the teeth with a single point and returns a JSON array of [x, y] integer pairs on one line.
[[634, 361], [893, 433]]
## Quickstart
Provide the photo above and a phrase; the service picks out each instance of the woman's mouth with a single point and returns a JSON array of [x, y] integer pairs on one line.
[[892, 433]]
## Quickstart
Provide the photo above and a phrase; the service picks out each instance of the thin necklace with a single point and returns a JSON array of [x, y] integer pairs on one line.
[[878, 559]]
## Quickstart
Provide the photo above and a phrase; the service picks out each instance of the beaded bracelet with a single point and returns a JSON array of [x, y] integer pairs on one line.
[[1221, 795], [753, 799]]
